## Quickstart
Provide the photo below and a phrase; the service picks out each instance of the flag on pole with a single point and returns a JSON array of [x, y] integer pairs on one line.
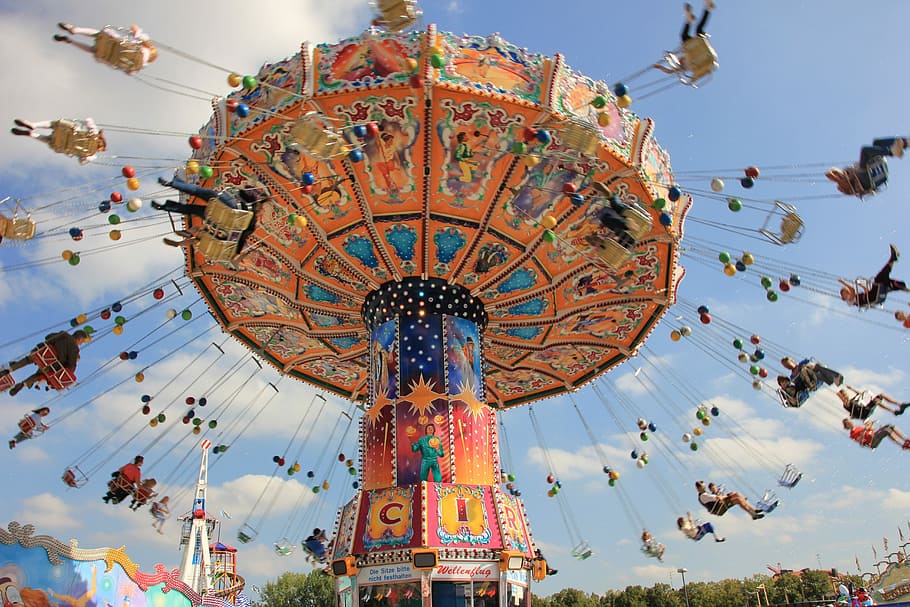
[[874, 553], [885, 543], [856, 558]]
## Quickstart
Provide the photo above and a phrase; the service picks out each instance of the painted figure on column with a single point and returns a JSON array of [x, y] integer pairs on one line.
[[430, 448]]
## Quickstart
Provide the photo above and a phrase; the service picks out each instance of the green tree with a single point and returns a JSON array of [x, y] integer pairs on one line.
[[314, 589], [571, 597], [817, 585]]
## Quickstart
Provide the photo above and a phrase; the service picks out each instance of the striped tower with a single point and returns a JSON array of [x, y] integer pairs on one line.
[[195, 568]]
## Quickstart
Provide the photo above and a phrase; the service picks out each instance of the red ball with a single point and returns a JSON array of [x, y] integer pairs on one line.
[[705, 318], [231, 105], [752, 172], [307, 189], [116, 197], [124, 356], [755, 339], [550, 479], [784, 285], [341, 457], [146, 410], [569, 188], [281, 461], [416, 81], [190, 400], [530, 134], [186, 420], [372, 129], [128, 172], [195, 142], [105, 314], [158, 293], [762, 372]]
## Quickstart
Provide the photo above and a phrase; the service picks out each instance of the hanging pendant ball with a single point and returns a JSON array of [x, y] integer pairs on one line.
[[685, 330], [170, 314], [569, 187], [740, 266], [603, 119], [640, 463], [75, 233], [752, 172], [231, 105], [642, 424], [316, 489], [113, 220], [551, 493], [643, 436], [115, 235], [766, 282], [275, 458], [612, 482], [614, 475], [759, 354], [105, 314], [753, 369], [132, 184], [186, 315], [216, 449], [185, 420], [124, 356], [755, 339], [203, 401], [548, 221], [355, 485], [349, 462], [360, 131], [412, 64], [195, 142], [659, 204], [715, 411], [747, 182], [249, 82], [550, 478], [355, 155], [146, 410], [772, 296], [576, 199], [549, 235], [686, 437], [301, 222], [192, 167], [307, 189], [133, 205], [310, 474], [763, 373], [699, 414], [743, 357], [161, 418], [702, 310], [372, 129], [120, 320], [748, 258], [153, 422], [717, 184], [519, 148], [511, 477], [624, 101], [242, 110], [104, 206], [666, 219], [197, 430], [599, 102], [352, 471], [620, 89], [633, 454], [291, 218], [416, 81], [341, 457], [756, 384], [606, 469], [693, 446], [734, 204], [205, 171], [190, 400], [213, 424], [158, 293], [529, 133], [794, 280], [290, 472], [191, 414], [738, 343], [706, 421], [234, 79], [730, 269], [145, 398], [705, 318], [675, 335], [544, 136], [128, 172], [88, 329], [673, 193], [696, 431], [652, 427], [296, 467], [437, 61], [783, 285], [325, 486], [116, 197]]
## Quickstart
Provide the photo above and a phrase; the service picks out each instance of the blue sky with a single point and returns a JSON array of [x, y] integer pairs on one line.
[[802, 86]]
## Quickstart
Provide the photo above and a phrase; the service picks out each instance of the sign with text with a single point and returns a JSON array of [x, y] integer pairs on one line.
[[387, 574], [478, 572]]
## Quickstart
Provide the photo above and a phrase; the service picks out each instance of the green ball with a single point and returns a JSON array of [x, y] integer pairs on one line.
[[249, 82], [724, 257], [74, 260], [290, 472], [734, 204], [643, 436], [437, 61], [511, 477], [292, 217], [599, 102], [700, 414], [161, 418], [113, 219], [693, 446], [186, 314], [738, 343], [754, 369], [549, 235], [89, 329], [766, 282], [352, 471], [519, 148], [205, 171], [772, 295], [612, 482], [213, 424], [119, 320], [659, 204], [197, 422], [315, 489]]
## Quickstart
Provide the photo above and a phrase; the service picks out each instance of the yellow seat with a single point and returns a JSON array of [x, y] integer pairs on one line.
[[610, 252], [638, 221], [701, 58], [315, 140], [222, 218], [215, 249], [67, 137], [122, 53], [580, 136], [17, 228], [396, 15]]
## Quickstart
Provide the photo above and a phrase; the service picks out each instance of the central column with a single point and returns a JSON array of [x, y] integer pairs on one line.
[[426, 419]]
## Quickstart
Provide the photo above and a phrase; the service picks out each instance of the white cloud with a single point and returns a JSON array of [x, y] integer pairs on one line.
[[47, 512]]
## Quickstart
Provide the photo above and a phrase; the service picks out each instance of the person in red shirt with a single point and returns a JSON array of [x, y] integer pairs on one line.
[[867, 435], [124, 481]]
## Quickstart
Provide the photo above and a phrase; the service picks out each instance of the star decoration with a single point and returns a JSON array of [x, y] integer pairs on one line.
[[467, 396], [422, 396]]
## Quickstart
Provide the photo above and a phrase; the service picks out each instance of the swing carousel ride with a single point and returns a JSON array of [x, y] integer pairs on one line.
[[436, 228]]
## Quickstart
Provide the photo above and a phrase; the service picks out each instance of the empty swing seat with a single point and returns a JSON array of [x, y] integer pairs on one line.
[[767, 502], [396, 15], [582, 551], [246, 534], [317, 141], [580, 136], [790, 477], [17, 228]]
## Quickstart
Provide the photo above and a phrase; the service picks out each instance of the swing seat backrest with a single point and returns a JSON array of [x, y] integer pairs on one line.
[[701, 58], [580, 136], [215, 249], [791, 228], [611, 252], [17, 228], [26, 425], [396, 15], [639, 222], [57, 376], [877, 172], [221, 217], [121, 53]]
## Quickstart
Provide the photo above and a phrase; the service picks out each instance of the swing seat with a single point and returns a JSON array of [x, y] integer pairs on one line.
[[27, 426], [215, 249], [122, 53], [74, 477], [790, 477], [7, 382], [701, 59], [582, 551], [791, 224], [315, 140], [787, 401], [246, 534], [57, 376], [768, 502], [68, 137], [220, 218], [610, 252], [396, 15], [654, 551], [17, 228], [580, 136], [284, 547], [639, 222], [120, 489]]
